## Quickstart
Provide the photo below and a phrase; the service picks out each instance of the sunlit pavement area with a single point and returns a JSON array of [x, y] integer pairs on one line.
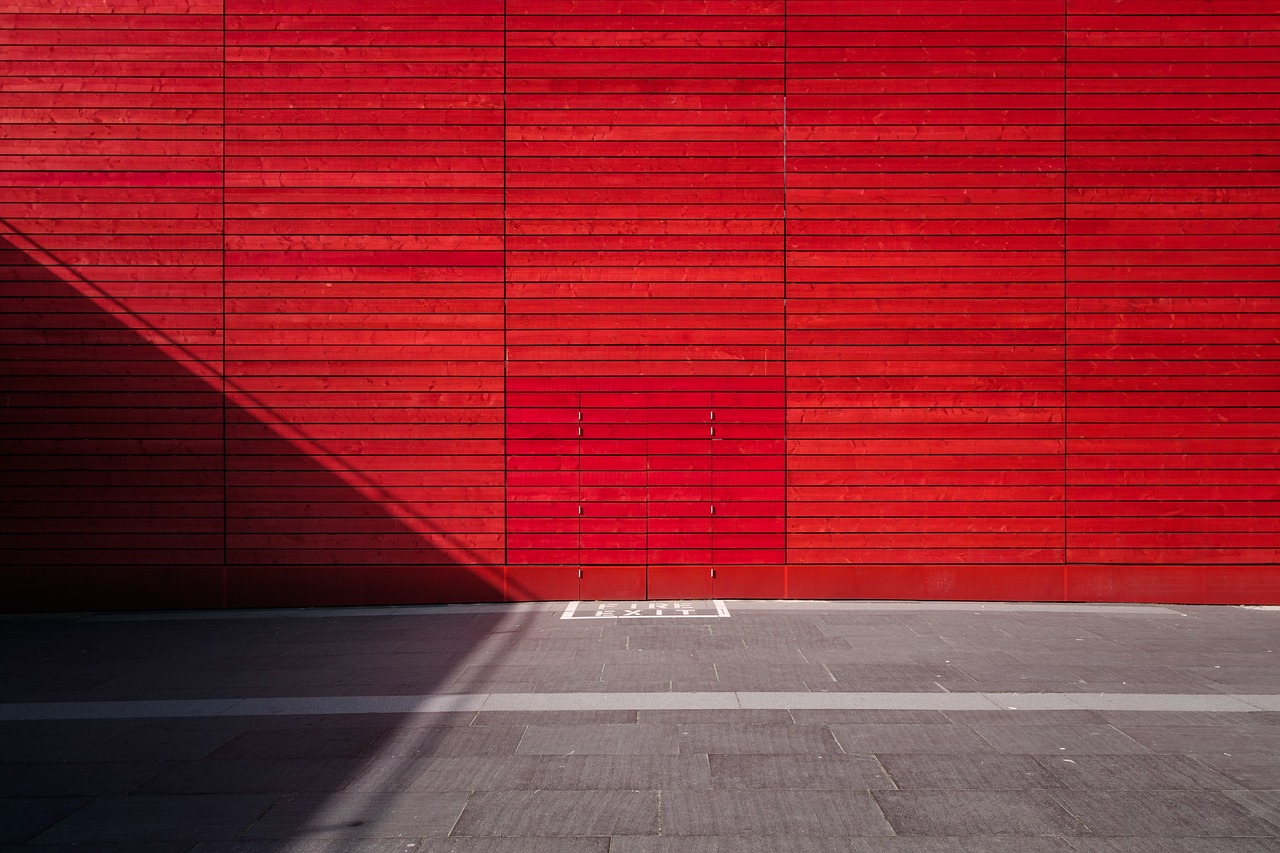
[[605, 726]]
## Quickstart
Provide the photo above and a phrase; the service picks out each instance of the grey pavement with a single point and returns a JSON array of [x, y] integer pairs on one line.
[[803, 727]]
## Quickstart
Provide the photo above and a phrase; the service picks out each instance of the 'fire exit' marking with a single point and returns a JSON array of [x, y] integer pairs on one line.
[[671, 609]]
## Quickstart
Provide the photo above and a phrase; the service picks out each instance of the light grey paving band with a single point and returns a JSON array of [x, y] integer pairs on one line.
[[473, 702]]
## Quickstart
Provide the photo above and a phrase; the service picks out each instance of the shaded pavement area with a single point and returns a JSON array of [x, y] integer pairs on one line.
[[803, 727]]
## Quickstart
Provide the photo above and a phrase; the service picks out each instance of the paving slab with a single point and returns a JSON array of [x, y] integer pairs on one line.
[[248, 776], [1173, 845], [560, 814], [589, 739], [1256, 771], [621, 772], [313, 845], [1061, 738], [751, 813], [359, 815], [967, 772], [1135, 773], [597, 844], [798, 772], [972, 728], [963, 844], [159, 818], [929, 739], [23, 818], [946, 813], [735, 844], [1180, 814], [726, 738]]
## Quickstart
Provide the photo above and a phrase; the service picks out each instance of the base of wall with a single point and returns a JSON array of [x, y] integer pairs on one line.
[[78, 588]]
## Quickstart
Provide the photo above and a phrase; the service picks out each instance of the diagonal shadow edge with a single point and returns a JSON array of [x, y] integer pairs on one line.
[[35, 267]]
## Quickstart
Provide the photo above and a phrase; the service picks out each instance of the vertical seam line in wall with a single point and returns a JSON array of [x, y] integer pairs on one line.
[[786, 320], [222, 371], [1066, 517], [506, 410]]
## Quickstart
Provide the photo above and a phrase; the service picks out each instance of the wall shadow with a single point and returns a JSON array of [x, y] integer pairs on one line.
[[122, 493], [120, 496]]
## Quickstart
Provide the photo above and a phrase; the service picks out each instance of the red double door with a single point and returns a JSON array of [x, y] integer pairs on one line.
[[614, 494]]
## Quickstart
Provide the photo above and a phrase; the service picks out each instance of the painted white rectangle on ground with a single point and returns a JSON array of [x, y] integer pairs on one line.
[[669, 609]]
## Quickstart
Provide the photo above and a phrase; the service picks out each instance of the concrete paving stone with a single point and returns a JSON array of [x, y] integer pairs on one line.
[[1256, 771], [971, 844], [1246, 679], [696, 686], [514, 845], [797, 772], [628, 739], [312, 739], [948, 813], [372, 678], [892, 677], [709, 738], [1173, 845], [906, 844], [359, 815], [711, 844], [75, 779], [754, 813], [1264, 804], [313, 845], [1134, 773], [765, 683], [845, 651], [23, 818], [1063, 738], [620, 772], [485, 773], [968, 772], [417, 741], [867, 716], [1124, 719], [258, 776], [783, 672], [159, 818], [559, 814], [106, 847], [111, 741], [892, 738], [480, 678], [598, 686], [1207, 739], [1164, 813], [780, 656], [1028, 717], [460, 719], [555, 718], [692, 671]]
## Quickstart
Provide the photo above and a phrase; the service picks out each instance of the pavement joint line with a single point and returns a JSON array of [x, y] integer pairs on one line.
[[708, 700]]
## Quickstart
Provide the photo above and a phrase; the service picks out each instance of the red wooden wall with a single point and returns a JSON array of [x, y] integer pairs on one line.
[[317, 301]]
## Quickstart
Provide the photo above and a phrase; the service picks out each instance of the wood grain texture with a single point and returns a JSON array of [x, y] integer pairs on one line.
[[327, 302]]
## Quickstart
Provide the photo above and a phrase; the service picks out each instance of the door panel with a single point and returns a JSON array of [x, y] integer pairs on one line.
[[543, 479], [614, 480]]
